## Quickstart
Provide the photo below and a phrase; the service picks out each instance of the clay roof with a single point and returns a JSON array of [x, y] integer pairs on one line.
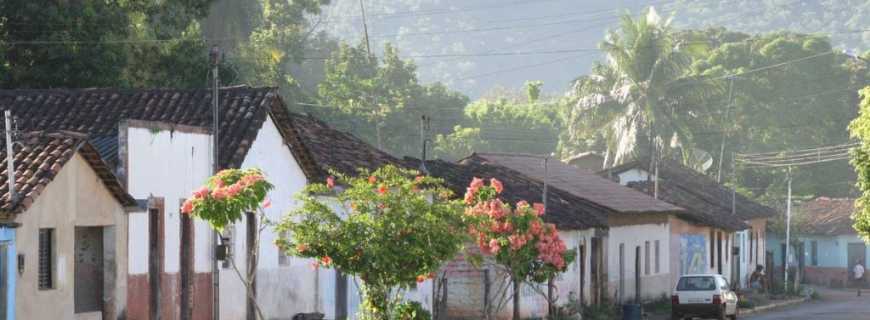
[[581, 183], [827, 216], [243, 110], [39, 158], [704, 193], [699, 210], [566, 211]]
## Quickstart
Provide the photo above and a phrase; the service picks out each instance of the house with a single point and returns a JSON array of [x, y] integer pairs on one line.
[[159, 144], [733, 244], [827, 245], [65, 232], [590, 160], [464, 291], [645, 234]]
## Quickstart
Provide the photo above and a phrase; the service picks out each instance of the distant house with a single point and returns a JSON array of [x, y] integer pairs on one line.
[[650, 242], [158, 142], [828, 245], [591, 161], [734, 244], [466, 290], [63, 239]]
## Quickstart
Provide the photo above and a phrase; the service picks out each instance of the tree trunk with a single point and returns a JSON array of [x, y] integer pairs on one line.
[[550, 306], [516, 299], [375, 302], [252, 238]]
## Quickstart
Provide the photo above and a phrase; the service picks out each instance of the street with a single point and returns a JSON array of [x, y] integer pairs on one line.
[[833, 305]]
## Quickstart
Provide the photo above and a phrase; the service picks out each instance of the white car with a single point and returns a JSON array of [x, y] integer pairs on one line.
[[703, 295]]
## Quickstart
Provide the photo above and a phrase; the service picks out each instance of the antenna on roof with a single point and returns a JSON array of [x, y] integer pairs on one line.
[[10, 159]]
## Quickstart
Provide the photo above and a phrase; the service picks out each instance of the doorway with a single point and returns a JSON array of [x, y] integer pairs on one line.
[[4, 280], [621, 272], [88, 269], [857, 251]]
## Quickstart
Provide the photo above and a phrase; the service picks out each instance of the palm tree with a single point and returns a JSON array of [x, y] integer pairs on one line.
[[641, 101]]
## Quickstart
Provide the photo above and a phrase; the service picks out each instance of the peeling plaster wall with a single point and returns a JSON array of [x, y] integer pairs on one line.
[[76, 197], [168, 162]]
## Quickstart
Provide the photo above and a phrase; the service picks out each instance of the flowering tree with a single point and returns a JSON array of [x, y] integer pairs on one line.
[[223, 200], [391, 228], [516, 238]]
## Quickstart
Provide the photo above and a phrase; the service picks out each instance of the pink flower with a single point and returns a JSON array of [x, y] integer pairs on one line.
[[421, 278], [539, 209], [476, 183], [219, 193], [267, 203], [494, 246], [535, 227], [496, 209], [469, 196], [330, 182], [418, 179], [187, 206], [234, 189], [373, 179], [201, 192], [496, 185]]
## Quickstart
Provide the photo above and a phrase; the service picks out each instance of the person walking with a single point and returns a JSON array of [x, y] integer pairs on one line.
[[858, 275]]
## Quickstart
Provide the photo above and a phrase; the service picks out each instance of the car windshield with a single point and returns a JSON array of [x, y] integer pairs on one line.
[[696, 284]]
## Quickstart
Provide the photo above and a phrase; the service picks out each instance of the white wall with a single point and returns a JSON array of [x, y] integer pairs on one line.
[[282, 290], [653, 284], [633, 175], [167, 164]]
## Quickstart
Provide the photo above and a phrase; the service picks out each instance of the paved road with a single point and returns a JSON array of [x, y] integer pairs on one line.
[[834, 305]]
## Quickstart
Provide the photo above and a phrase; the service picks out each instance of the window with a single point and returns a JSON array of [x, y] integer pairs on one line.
[[46, 258], [283, 258], [699, 283], [657, 256], [646, 257], [814, 253]]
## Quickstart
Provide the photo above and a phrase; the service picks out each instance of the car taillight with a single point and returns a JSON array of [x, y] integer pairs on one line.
[[675, 299], [717, 299]]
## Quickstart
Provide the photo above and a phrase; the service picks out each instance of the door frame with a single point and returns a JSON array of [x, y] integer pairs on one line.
[[7, 236]]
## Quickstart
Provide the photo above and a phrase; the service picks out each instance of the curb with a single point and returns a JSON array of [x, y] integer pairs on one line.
[[772, 306]]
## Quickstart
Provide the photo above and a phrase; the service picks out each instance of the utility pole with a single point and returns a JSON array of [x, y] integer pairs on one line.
[[362, 9], [214, 57], [724, 135], [424, 128], [787, 228], [10, 159]]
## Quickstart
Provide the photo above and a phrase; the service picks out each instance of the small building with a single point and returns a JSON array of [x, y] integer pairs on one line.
[[590, 161], [728, 230], [64, 252], [465, 291], [645, 237], [827, 245]]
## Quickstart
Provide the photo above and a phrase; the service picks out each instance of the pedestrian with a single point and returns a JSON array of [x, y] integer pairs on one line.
[[858, 275], [757, 281]]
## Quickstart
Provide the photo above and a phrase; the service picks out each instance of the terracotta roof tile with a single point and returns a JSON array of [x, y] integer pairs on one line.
[[38, 160], [581, 183], [564, 210], [827, 216]]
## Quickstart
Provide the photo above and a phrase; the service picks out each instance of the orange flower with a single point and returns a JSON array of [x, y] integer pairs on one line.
[[325, 261], [301, 247], [496, 185], [330, 182], [421, 278], [382, 189], [373, 179]]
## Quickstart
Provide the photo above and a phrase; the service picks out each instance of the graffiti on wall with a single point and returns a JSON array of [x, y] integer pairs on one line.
[[693, 253]]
